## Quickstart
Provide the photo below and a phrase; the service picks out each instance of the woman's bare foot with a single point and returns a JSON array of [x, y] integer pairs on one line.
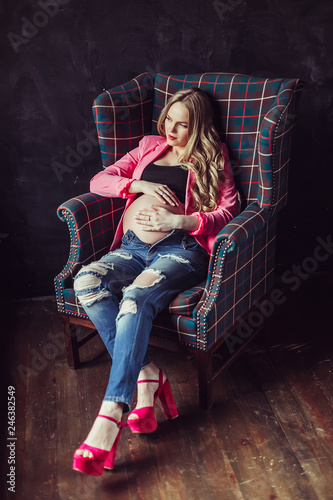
[[103, 432], [146, 391]]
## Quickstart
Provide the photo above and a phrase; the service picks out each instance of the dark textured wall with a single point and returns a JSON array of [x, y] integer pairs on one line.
[[58, 55]]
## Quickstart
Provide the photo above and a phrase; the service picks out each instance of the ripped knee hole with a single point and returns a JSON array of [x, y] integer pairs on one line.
[[128, 306], [142, 281]]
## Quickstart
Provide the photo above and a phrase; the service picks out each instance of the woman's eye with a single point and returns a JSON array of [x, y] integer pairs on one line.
[[168, 118]]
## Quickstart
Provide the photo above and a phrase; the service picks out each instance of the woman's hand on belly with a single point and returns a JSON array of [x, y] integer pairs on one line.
[[136, 218], [161, 192], [157, 218]]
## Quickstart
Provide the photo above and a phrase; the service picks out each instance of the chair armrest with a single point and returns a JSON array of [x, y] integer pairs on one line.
[[243, 228], [237, 243], [240, 272], [92, 221]]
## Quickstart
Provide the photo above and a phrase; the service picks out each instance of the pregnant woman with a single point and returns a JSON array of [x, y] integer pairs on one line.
[[180, 193]]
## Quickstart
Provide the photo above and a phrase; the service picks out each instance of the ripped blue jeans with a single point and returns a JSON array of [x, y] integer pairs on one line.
[[123, 311]]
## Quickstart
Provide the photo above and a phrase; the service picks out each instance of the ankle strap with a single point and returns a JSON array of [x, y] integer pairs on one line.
[[159, 381], [119, 424], [147, 380]]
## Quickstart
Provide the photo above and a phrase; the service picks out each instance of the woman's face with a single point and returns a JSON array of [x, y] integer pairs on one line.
[[176, 125]]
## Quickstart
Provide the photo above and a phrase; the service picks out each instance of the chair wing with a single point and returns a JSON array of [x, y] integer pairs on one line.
[[123, 116], [274, 142]]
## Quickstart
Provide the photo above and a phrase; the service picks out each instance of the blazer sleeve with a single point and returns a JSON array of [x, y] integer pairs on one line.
[[115, 180], [228, 208]]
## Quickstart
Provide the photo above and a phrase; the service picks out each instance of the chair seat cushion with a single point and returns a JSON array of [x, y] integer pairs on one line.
[[185, 302], [175, 328], [183, 305], [72, 305]]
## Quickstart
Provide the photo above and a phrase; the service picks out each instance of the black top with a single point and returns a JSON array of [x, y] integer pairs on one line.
[[175, 177]]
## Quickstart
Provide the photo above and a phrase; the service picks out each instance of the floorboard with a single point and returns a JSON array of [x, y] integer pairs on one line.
[[268, 436]]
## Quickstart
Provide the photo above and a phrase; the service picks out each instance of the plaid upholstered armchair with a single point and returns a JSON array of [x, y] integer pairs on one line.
[[255, 118]]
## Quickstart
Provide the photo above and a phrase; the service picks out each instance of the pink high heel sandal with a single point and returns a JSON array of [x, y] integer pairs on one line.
[[146, 421], [102, 459]]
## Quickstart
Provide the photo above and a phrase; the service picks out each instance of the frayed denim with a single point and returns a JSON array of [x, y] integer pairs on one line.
[[123, 312]]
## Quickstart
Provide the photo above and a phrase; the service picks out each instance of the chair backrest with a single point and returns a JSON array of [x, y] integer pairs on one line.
[[254, 117]]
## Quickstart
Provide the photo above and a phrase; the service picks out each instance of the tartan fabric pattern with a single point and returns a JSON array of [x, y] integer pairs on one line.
[[71, 305], [239, 275], [92, 221], [175, 328], [183, 305], [274, 148], [255, 118], [123, 116]]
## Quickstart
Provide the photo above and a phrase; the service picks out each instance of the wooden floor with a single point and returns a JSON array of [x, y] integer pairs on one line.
[[268, 436]]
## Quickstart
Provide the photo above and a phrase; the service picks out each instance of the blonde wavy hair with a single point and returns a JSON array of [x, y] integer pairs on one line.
[[202, 155]]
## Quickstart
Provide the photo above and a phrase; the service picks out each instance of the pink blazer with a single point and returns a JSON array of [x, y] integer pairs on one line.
[[115, 180]]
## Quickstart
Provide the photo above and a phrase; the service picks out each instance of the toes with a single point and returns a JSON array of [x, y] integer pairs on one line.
[[84, 453]]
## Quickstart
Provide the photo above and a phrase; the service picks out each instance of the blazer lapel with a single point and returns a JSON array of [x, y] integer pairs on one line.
[[149, 158]]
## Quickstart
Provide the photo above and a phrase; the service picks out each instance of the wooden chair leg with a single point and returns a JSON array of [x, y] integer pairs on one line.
[[205, 380], [72, 346]]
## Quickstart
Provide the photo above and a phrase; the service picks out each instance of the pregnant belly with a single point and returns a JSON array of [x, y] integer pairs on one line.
[[145, 202]]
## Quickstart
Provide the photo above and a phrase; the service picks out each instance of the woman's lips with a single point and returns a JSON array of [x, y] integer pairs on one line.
[[172, 138]]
